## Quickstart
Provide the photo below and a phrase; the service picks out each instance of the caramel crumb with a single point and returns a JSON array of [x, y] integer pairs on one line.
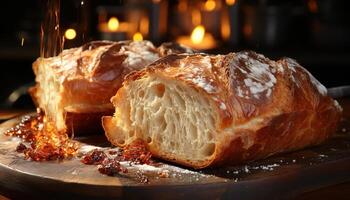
[[111, 167], [137, 153], [21, 148], [94, 157], [44, 141]]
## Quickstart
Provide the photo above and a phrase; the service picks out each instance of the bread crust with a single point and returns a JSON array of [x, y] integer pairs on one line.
[[85, 78], [265, 107]]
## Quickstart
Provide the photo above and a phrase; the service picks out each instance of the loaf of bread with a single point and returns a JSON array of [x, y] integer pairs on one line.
[[208, 110], [74, 88]]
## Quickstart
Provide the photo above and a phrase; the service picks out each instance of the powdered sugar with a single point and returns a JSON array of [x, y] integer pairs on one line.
[[246, 170], [203, 83], [251, 168], [222, 106], [195, 64], [336, 104], [239, 92], [242, 93], [292, 65], [86, 148], [259, 76], [321, 88], [160, 168], [206, 62], [143, 167], [139, 54], [194, 69], [280, 67], [268, 93], [256, 87]]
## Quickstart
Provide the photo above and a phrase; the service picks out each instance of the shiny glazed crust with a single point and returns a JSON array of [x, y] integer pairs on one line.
[[260, 107]]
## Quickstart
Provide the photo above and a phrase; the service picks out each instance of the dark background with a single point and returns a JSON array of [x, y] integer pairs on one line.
[[318, 38]]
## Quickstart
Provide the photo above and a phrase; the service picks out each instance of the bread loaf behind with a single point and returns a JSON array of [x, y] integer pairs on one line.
[[75, 87]]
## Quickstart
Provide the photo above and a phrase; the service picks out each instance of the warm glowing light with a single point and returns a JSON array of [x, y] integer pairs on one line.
[[230, 2], [144, 25], [22, 41], [156, 1], [197, 34], [225, 27], [247, 30], [182, 6], [313, 7], [210, 5], [196, 17], [70, 34], [199, 39], [113, 24], [137, 37]]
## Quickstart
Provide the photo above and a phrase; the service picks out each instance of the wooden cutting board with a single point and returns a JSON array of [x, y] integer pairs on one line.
[[282, 176]]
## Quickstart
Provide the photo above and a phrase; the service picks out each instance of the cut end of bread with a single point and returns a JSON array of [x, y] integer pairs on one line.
[[47, 95], [176, 121]]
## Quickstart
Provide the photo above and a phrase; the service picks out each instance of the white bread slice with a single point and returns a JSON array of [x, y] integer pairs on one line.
[[174, 119]]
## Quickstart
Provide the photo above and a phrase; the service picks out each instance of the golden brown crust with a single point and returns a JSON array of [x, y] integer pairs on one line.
[[265, 107], [168, 48], [92, 73]]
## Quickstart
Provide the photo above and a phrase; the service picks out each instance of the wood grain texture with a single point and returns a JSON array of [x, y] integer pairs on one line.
[[282, 176]]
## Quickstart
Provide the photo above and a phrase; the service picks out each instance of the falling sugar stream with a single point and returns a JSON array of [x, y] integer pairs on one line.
[[51, 41]]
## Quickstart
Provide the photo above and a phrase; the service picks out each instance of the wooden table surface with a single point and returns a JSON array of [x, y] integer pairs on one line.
[[338, 191], [312, 173]]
